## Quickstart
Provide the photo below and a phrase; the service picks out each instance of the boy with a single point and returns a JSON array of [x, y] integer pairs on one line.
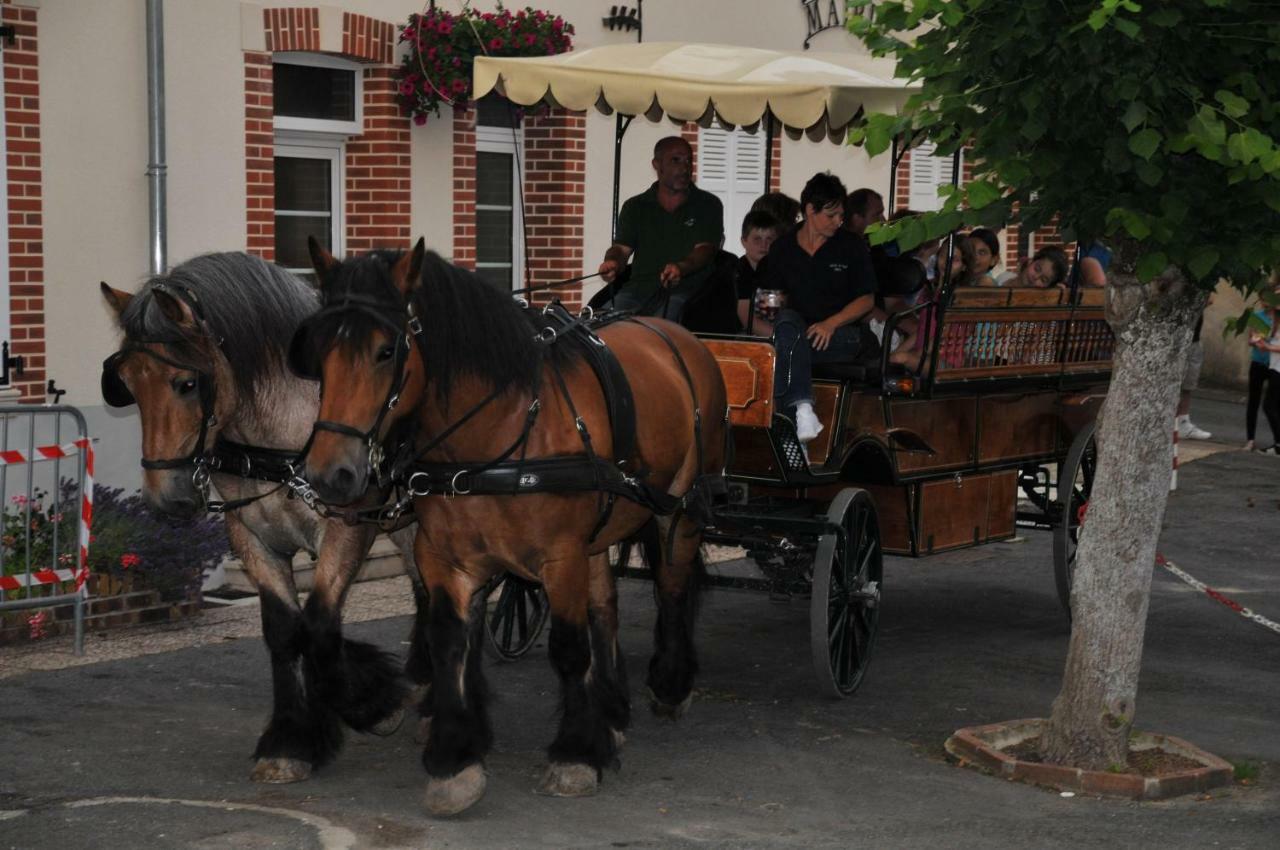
[[759, 229]]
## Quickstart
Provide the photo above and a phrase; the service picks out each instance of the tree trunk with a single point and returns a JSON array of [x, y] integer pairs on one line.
[[1094, 711]]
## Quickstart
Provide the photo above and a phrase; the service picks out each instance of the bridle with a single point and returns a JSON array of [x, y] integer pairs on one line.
[[116, 394]]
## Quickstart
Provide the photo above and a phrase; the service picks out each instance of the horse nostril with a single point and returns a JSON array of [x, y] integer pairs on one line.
[[341, 483]]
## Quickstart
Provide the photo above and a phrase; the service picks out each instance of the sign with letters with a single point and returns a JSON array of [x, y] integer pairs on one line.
[[823, 15]]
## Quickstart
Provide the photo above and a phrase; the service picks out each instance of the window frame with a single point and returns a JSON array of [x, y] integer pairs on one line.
[[941, 176], [734, 186], [510, 141], [318, 146], [290, 123]]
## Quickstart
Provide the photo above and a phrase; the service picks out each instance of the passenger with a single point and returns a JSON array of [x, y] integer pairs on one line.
[[759, 229], [963, 259], [1094, 265], [784, 208], [910, 351], [673, 229], [986, 256], [1047, 269], [826, 272], [863, 208]]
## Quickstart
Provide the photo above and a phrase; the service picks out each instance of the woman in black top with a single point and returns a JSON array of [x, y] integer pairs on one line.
[[827, 275]]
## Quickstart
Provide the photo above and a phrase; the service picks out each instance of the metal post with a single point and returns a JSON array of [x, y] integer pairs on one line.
[[620, 129], [156, 167]]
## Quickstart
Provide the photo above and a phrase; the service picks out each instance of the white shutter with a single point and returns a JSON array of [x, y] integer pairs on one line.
[[928, 173], [731, 167]]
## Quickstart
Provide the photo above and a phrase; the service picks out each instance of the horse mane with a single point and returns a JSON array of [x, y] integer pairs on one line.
[[472, 327], [251, 305]]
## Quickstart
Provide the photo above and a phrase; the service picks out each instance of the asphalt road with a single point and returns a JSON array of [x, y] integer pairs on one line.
[[154, 751]]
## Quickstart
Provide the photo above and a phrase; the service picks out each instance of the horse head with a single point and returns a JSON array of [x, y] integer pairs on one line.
[[172, 367], [359, 346]]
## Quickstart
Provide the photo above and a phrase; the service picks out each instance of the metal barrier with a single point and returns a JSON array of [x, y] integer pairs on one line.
[[46, 481]]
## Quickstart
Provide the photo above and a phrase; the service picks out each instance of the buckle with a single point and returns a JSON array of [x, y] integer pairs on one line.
[[414, 489], [453, 485]]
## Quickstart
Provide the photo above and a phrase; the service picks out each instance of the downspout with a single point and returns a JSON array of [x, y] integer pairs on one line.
[[155, 135]]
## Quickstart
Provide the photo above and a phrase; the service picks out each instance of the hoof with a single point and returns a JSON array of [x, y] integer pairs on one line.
[[280, 771], [569, 780], [619, 738], [666, 710], [423, 734], [388, 725], [457, 793]]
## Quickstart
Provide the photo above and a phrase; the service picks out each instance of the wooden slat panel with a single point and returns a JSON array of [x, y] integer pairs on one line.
[[979, 296], [1024, 296], [953, 512], [753, 453], [1002, 505], [948, 425], [1094, 296], [893, 507], [1017, 426], [747, 368]]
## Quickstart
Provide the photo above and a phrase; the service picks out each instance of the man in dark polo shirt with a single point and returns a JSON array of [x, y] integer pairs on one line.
[[673, 229], [827, 275]]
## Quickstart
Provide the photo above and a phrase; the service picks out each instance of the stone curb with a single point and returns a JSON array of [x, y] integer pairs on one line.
[[983, 745]]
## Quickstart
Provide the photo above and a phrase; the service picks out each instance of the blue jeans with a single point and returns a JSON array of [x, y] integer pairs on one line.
[[793, 368]]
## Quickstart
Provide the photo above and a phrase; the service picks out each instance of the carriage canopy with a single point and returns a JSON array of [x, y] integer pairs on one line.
[[815, 94]]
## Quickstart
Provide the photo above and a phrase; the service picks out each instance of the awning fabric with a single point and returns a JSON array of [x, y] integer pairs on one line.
[[817, 94]]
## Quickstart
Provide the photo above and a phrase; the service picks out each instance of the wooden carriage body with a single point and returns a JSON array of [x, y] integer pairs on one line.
[[1012, 378]]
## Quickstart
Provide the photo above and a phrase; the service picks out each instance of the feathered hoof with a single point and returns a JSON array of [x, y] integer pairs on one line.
[[569, 780], [619, 738], [388, 725], [667, 711], [423, 733], [280, 771], [456, 794]]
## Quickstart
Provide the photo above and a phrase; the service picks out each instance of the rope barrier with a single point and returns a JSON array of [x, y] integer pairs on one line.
[[1217, 596]]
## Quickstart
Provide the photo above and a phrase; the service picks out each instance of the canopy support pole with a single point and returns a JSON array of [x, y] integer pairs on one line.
[[768, 150], [620, 129]]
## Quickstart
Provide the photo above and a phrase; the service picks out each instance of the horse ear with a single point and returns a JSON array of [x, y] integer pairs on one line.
[[321, 260], [117, 299], [176, 310], [408, 268]]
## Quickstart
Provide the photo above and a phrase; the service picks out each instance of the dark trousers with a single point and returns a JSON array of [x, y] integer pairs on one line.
[[1257, 388], [1271, 404], [793, 368]]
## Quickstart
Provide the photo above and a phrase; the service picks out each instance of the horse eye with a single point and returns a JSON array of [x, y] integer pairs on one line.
[[385, 353], [184, 386]]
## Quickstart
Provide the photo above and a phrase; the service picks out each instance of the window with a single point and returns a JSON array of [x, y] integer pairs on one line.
[[308, 187], [731, 167], [316, 101], [315, 93], [499, 219], [928, 173]]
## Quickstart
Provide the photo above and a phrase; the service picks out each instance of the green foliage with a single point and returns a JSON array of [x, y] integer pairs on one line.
[[1245, 772], [1154, 124]]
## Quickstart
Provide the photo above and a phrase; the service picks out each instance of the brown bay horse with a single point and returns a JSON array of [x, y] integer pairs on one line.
[[204, 359], [411, 336]]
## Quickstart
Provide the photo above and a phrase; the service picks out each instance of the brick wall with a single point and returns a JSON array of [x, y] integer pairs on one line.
[[775, 160], [376, 190], [464, 186], [555, 191], [26, 201]]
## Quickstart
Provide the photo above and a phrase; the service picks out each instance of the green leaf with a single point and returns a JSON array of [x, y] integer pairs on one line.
[[1232, 103], [1134, 115], [1149, 173], [1207, 128], [1151, 265], [1127, 27], [1238, 148], [1174, 207], [981, 194], [879, 133], [1098, 19], [1165, 17], [1145, 142], [1202, 261]]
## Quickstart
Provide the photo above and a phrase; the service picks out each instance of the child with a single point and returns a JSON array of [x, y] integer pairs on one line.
[[986, 256], [759, 229]]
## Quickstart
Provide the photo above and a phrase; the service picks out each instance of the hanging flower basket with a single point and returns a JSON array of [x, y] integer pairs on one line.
[[443, 46]]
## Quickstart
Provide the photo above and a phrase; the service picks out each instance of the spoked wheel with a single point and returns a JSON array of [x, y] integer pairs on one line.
[[515, 612], [844, 609], [1075, 484]]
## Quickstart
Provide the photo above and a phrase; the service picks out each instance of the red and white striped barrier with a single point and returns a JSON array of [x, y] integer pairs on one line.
[[1217, 596], [1173, 482], [81, 573]]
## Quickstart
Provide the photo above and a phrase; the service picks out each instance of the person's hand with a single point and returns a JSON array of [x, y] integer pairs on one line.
[[609, 270], [820, 334], [670, 275]]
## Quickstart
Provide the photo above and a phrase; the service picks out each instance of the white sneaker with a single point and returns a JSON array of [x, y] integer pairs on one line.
[[1188, 430], [807, 424]]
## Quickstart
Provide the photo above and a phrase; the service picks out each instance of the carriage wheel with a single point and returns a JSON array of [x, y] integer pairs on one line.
[[620, 558], [515, 612], [1075, 484], [844, 608]]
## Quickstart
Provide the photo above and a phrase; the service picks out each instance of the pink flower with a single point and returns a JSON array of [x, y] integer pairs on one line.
[[557, 24], [420, 118], [496, 44], [444, 27], [129, 559], [431, 53], [426, 86], [19, 499], [459, 86], [406, 87], [456, 61]]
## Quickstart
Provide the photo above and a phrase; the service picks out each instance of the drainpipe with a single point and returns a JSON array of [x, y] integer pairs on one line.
[[155, 135]]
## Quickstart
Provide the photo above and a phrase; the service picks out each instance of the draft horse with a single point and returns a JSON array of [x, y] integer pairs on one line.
[[204, 359], [521, 462]]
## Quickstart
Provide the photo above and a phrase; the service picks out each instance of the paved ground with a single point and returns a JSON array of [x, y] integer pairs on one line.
[[153, 750]]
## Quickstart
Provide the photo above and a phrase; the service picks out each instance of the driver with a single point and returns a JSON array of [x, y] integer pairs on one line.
[[674, 229]]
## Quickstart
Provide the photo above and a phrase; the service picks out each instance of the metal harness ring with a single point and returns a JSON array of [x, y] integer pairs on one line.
[[453, 484]]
